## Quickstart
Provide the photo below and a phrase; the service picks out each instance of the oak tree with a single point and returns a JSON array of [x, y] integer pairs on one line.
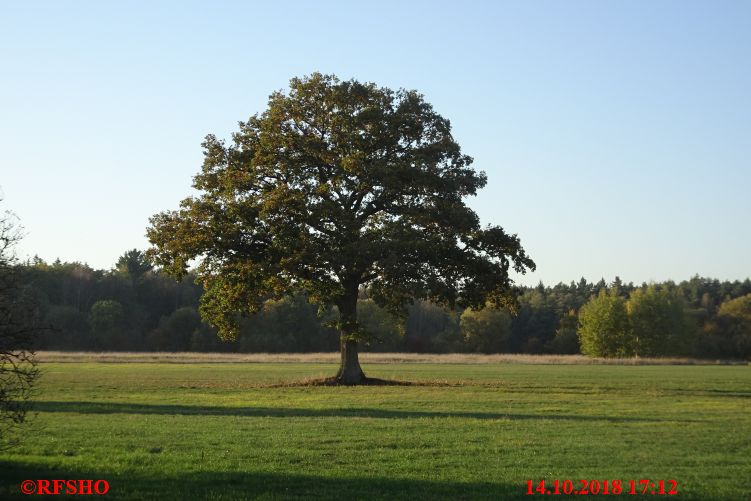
[[337, 186]]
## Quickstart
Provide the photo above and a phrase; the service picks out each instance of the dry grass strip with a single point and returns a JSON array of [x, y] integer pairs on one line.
[[367, 358]]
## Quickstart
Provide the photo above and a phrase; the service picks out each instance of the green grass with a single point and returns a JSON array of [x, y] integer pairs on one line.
[[191, 431]]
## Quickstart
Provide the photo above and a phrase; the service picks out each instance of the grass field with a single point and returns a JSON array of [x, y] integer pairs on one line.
[[467, 431]]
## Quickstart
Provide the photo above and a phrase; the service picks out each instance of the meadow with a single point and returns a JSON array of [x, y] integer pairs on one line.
[[465, 429]]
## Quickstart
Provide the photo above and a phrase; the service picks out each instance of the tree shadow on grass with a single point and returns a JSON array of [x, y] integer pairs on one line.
[[368, 381], [713, 392], [255, 485], [231, 485], [285, 412]]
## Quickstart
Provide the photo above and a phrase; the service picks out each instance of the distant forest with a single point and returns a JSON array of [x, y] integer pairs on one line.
[[133, 307]]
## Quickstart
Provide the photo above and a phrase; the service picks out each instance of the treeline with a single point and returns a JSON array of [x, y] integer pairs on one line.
[[136, 308]]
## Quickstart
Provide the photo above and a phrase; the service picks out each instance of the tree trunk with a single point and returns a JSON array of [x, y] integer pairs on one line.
[[350, 371]]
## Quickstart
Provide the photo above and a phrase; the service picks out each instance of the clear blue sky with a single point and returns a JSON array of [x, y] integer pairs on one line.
[[616, 135]]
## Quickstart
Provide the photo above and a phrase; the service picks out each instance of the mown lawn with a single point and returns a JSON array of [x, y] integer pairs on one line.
[[219, 431]]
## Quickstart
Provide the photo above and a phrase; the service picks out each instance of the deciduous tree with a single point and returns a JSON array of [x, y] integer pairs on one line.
[[336, 186], [487, 330], [735, 320], [604, 328], [19, 326], [659, 323]]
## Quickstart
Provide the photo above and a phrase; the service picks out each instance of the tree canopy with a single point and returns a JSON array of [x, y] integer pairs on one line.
[[604, 329], [338, 185], [735, 315]]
